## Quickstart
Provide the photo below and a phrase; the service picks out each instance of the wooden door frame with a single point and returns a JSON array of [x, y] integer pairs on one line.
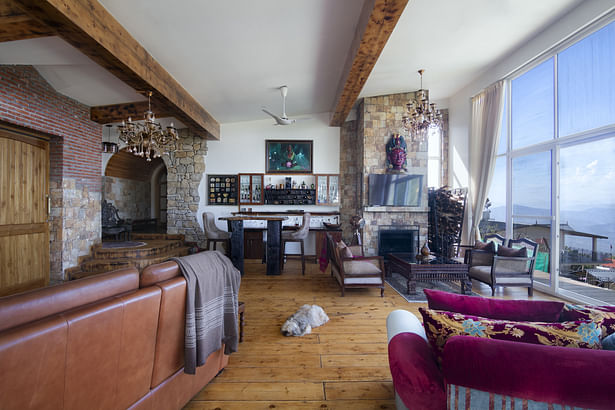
[[39, 140]]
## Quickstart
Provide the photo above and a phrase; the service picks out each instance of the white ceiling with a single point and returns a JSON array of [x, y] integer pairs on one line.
[[455, 41], [232, 55]]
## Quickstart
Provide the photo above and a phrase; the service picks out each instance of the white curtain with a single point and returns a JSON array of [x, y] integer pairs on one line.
[[487, 109]]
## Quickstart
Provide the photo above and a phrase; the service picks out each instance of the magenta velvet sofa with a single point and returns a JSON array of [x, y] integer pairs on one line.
[[505, 374]]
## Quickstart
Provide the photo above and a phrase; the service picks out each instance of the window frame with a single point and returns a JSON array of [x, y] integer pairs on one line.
[[553, 145], [434, 158]]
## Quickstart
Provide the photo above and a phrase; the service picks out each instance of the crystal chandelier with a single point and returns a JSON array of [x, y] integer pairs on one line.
[[147, 140], [421, 115]]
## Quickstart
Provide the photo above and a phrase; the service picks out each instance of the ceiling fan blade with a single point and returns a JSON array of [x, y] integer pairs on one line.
[[278, 120], [272, 114]]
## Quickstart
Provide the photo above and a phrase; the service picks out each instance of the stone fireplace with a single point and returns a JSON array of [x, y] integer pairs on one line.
[[392, 240], [363, 152]]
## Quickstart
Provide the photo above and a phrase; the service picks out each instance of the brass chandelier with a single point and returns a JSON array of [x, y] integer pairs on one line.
[[421, 115], [147, 140]]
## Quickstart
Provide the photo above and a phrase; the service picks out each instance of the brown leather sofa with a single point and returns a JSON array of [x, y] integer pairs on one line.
[[111, 341]]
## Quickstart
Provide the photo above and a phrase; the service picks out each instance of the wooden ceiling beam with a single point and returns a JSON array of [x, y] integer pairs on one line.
[[87, 26], [376, 23], [16, 25], [105, 114]]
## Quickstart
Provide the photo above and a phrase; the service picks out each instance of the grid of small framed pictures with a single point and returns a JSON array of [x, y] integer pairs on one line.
[[222, 189]]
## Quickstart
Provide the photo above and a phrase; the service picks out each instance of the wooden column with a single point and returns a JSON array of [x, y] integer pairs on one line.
[[236, 228], [274, 251]]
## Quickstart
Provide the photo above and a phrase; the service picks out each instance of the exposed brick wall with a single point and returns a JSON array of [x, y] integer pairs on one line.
[[26, 99]]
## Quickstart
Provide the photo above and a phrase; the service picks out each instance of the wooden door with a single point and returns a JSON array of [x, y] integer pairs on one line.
[[24, 230]]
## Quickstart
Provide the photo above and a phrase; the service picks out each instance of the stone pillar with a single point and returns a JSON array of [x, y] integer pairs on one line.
[[185, 170], [350, 176], [363, 152]]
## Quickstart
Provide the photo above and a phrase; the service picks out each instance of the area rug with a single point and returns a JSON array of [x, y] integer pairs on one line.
[[399, 283], [122, 244]]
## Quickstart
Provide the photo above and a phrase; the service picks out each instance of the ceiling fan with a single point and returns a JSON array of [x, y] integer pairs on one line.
[[282, 120]]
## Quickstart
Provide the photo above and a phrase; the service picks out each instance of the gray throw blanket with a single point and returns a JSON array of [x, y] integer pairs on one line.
[[211, 306]]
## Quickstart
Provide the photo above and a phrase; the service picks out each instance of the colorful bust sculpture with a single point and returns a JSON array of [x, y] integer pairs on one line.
[[396, 153]]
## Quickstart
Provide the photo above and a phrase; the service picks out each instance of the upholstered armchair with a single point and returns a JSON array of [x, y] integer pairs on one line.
[[213, 233], [508, 266], [355, 271]]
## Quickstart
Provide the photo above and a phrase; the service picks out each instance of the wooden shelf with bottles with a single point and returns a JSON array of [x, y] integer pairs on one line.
[[327, 189], [250, 189]]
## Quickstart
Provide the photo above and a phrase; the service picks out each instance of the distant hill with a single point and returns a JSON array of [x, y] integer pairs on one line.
[[595, 220]]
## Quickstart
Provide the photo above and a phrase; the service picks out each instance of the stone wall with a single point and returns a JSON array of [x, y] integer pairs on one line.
[[186, 168], [133, 199], [365, 153], [350, 175], [383, 118]]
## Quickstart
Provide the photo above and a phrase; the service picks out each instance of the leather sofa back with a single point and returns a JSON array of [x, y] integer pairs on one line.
[[171, 320], [159, 272], [39, 303], [100, 342], [98, 355]]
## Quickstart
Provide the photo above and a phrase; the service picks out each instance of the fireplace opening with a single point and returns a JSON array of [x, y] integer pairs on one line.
[[397, 241]]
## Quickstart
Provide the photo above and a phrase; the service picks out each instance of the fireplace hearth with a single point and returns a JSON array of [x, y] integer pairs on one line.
[[397, 241]]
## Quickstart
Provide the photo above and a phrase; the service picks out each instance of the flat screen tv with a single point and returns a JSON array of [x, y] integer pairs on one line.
[[395, 189]]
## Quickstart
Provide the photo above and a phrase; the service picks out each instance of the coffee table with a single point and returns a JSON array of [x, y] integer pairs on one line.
[[441, 269]]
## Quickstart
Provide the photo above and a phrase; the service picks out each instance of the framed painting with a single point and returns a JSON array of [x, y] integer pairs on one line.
[[288, 156]]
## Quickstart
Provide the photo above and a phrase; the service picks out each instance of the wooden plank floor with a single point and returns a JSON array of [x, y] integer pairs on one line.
[[341, 365]]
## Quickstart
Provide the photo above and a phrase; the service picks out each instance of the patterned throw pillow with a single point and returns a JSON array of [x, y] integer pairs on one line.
[[604, 314], [463, 398], [441, 325]]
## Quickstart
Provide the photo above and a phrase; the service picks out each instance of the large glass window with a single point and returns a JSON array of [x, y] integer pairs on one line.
[[587, 205], [532, 106], [560, 146], [434, 158], [586, 75], [494, 215], [531, 184]]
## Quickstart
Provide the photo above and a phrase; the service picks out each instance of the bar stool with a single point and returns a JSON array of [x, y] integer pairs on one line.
[[213, 233], [297, 236]]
